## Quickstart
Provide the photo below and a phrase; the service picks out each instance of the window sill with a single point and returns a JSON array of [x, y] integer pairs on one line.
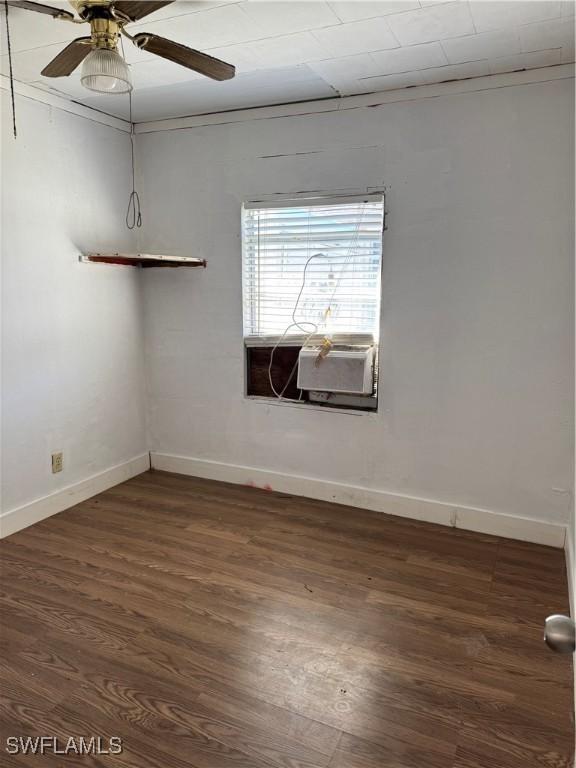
[[310, 406]]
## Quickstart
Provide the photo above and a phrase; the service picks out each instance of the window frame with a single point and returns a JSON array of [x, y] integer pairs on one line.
[[252, 341]]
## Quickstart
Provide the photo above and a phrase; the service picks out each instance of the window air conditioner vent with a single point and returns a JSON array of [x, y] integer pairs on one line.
[[347, 371]]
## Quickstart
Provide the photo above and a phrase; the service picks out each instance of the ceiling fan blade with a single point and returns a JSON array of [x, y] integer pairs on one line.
[[68, 59], [186, 57], [39, 8], [135, 10]]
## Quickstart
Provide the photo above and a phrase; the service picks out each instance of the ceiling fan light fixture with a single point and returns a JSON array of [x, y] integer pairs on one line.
[[105, 71]]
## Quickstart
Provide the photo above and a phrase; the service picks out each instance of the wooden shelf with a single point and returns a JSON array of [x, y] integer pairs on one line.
[[143, 260]]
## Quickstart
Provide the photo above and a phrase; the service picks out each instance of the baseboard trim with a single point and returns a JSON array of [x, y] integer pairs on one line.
[[571, 570], [21, 517], [428, 510]]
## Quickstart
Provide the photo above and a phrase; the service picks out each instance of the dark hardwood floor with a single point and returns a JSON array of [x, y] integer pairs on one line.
[[217, 626]]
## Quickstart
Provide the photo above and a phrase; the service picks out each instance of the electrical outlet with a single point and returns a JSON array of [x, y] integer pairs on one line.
[[57, 462]]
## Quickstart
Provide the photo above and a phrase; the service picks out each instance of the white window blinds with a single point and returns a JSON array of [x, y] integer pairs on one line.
[[314, 262]]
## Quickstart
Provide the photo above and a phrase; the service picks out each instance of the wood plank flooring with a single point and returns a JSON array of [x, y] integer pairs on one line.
[[217, 626]]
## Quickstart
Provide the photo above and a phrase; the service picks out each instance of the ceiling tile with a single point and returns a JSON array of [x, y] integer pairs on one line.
[[354, 10], [183, 7], [346, 68], [357, 37], [456, 72], [497, 14], [219, 26], [389, 82], [157, 71], [436, 22], [511, 63], [288, 50], [548, 34], [525, 61], [132, 53], [410, 58], [27, 65], [278, 17], [537, 59], [502, 42], [292, 51], [270, 78], [241, 56], [247, 91], [30, 30]]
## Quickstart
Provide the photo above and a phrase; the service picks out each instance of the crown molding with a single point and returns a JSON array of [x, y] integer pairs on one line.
[[471, 85], [505, 80], [27, 91]]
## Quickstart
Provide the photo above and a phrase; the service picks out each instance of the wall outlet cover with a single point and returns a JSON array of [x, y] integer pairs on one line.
[[57, 462]]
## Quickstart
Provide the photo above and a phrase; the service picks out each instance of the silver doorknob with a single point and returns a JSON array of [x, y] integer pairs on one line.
[[560, 634]]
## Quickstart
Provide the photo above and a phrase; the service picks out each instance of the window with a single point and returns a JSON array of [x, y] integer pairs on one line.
[[311, 272]]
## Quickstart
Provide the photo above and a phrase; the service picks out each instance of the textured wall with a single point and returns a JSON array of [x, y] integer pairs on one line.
[[72, 363]]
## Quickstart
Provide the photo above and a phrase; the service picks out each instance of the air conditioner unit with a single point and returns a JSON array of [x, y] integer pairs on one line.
[[342, 370]]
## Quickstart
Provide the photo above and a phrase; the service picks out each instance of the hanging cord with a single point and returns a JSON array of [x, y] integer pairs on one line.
[[295, 324], [10, 68], [300, 323], [133, 212]]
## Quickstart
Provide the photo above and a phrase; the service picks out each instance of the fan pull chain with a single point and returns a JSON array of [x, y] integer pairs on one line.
[[133, 212], [10, 67]]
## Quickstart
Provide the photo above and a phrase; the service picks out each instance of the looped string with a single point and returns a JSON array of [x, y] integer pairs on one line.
[[133, 212]]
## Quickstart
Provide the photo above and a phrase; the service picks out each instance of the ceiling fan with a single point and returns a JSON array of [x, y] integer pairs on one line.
[[103, 69]]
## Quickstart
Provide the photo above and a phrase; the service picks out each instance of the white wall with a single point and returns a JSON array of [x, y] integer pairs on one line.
[[476, 395], [72, 362]]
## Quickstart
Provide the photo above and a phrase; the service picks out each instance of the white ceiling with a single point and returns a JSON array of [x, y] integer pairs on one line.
[[301, 50]]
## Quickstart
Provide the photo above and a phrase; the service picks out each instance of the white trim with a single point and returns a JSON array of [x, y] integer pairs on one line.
[[16, 519], [64, 104], [303, 201], [571, 571], [298, 339], [508, 79], [313, 405], [428, 510]]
